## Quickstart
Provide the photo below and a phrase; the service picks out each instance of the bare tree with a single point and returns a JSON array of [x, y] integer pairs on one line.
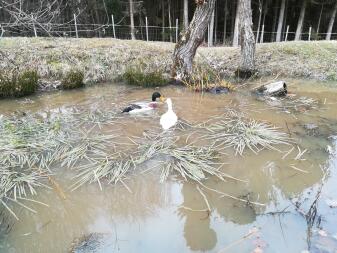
[[280, 21], [191, 39], [300, 21], [331, 22], [132, 21], [247, 41]]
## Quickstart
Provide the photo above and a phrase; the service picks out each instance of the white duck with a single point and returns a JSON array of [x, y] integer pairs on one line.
[[169, 118]]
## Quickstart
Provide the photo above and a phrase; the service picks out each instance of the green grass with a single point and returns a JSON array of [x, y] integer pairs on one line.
[[138, 77], [18, 85], [73, 80]]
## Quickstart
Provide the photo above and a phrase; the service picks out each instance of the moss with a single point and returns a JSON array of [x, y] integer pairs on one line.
[[136, 76], [73, 80], [18, 85]]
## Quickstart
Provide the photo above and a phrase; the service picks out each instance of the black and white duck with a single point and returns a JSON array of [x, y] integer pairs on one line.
[[140, 107]]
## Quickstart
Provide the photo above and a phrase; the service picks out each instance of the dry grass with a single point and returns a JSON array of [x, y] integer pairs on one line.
[[107, 59]]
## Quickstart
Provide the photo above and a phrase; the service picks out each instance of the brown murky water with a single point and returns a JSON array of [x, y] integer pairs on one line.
[[151, 218]]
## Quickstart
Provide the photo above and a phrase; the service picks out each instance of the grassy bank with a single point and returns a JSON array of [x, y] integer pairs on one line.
[[107, 59]]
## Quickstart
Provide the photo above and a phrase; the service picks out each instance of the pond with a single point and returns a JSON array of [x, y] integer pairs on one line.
[[143, 214]]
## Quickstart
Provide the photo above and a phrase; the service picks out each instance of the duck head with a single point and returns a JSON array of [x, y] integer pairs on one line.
[[156, 95]]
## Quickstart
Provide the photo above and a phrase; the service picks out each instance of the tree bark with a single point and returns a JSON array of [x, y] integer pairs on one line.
[[225, 23], [331, 22], [236, 26], [280, 21], [300, 21], [191, 39], [185, 14], [247, 41], [132, 22]]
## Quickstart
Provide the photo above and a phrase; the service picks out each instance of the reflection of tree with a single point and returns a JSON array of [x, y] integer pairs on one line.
[[197, 231]]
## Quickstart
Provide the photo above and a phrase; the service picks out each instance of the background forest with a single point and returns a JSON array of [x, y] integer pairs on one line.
[[94, 19]]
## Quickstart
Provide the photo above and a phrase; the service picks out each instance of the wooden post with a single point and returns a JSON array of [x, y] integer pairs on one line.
[[35, 33], [177, 22], [75, 25], [286, 38], [147, 29], [309, 33], [113, 26], [262, 34]]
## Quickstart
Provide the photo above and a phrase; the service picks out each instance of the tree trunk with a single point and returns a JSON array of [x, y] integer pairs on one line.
[[247, 41], [265, 10], [185, 14], [233, 9], [273, 37], [236, 26], [163, 19], [191, 39], [132, 22], [319, 20], [211, 30], [225, 23], [215, 25], [259, 22], [300, 21], [170, 22], [280, 21], [331, 22]]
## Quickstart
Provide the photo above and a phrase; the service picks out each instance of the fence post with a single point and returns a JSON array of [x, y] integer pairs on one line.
[[147, 29], [309, 33], [75, 25], [177, 22], [262, 34], [286, 38], [113, 26]]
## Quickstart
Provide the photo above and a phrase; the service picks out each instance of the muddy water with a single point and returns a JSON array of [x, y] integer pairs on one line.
[[151, 218]]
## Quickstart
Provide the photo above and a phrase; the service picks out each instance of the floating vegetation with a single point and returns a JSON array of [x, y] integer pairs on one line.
[[235, 130], [30, 145], [191, 162], [292, 104]]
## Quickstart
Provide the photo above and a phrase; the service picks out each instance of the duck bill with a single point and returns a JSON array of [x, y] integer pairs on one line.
[[162, 98]]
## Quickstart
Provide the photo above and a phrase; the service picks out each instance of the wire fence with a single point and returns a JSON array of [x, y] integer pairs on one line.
[[146, 32]]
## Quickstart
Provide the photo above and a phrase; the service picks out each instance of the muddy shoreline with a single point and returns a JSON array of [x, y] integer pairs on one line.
[[104, 60]]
